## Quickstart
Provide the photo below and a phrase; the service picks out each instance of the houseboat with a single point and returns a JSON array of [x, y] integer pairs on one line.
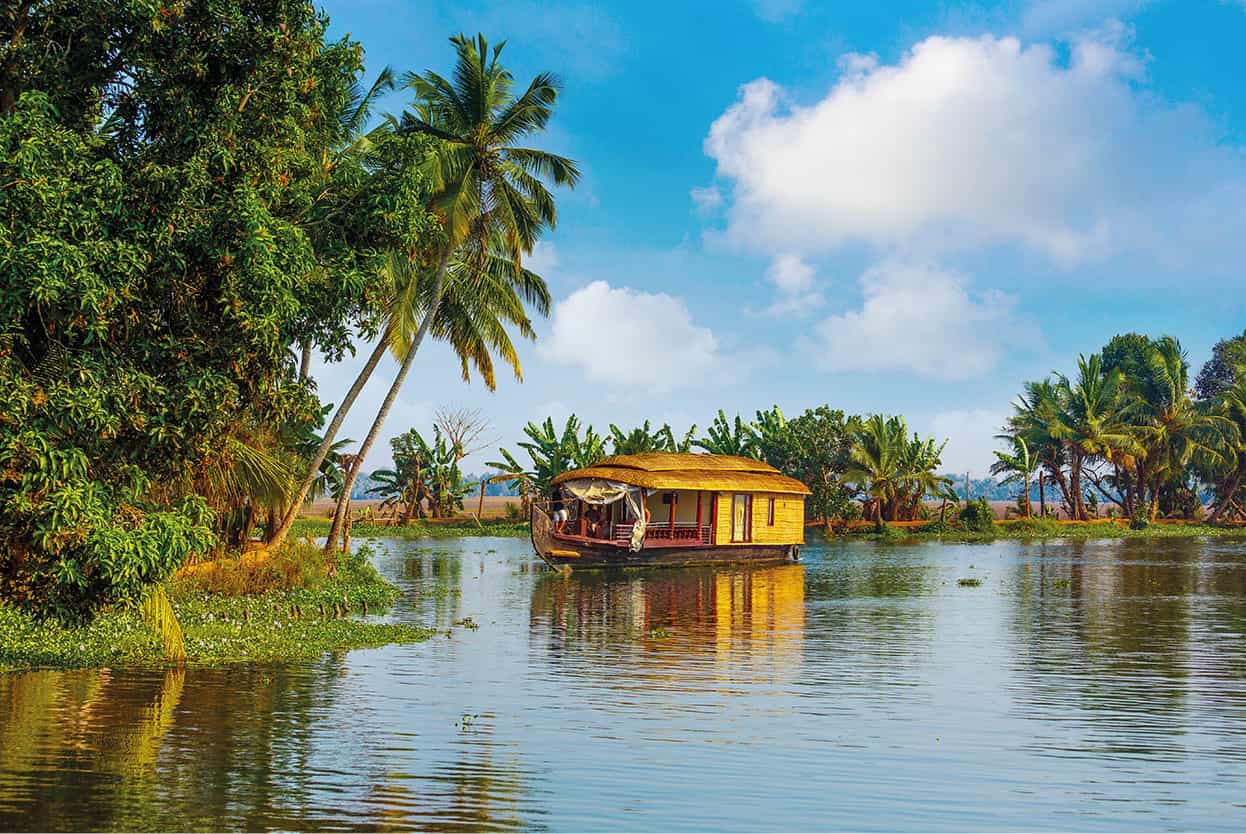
[[670, 509]]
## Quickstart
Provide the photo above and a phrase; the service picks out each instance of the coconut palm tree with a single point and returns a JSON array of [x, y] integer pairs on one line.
[[1091, 423], [355, 140], [1171, 430], [1017, 465], [878, 466], [483, 298], [488, 191], [1035, 415]]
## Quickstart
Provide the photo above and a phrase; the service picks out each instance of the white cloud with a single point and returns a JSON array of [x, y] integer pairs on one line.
[[966, 142], [794, 280], [622, 336], [970, 435], [922, 319]]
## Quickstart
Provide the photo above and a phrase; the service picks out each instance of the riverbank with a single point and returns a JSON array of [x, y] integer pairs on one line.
[[222, 623], [454, 528], [1037, 530]]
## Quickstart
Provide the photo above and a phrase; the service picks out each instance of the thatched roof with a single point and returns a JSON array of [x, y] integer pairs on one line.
[[669, 470]]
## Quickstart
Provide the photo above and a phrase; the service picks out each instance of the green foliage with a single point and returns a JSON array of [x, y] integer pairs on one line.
[[725, 437], [277, 625], [157, 265], [551, 453], [977, 516], [893, 470], [644, 439], [423, 473]]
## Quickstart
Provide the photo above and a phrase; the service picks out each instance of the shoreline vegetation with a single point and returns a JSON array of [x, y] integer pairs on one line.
[[286, 607]]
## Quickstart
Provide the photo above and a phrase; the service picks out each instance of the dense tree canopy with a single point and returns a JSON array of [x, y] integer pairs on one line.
[[175, 215]]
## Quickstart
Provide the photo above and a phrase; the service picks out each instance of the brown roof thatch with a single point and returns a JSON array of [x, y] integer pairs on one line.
[[669, 470]]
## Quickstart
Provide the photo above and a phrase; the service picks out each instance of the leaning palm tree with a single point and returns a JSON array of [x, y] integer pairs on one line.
[[354, 141], [488, 191], [481, 300]]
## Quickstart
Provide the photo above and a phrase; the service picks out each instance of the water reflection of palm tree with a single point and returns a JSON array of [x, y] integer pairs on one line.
[[1093, 621], [159, 750]]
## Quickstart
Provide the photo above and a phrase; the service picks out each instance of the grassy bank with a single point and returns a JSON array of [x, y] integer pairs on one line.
[[1042, 529], [451, 529], [291, 608]]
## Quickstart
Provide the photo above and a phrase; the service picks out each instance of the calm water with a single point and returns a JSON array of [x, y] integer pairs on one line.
[[1081, 686]]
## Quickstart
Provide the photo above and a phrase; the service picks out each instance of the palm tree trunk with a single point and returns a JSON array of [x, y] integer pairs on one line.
[[1228, 494], [1042, 494], [1075, 487], [353, 473], [1025, 478], [327, 441]]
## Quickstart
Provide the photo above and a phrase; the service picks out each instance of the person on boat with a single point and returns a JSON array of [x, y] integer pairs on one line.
[[558, 507], [593, 520]]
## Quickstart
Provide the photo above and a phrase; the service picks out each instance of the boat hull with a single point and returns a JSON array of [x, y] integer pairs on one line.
[[565, 554]]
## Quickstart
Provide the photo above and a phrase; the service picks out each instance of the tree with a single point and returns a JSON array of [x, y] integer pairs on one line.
[[725, 437], [815, 448], [164, 236], [1220, 372], [1171, 430], [551, 453], [644, 439], [895, 471], [473, 316], [1016, 465], [488, 191], [1090, 423]]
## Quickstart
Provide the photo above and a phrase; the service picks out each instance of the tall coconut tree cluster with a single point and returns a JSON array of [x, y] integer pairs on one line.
[[1127, 428], [490, 194]]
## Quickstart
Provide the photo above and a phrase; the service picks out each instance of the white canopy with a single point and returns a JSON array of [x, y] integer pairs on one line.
[[600, 491]]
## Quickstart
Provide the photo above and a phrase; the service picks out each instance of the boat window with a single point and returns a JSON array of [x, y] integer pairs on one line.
[[770, 513]]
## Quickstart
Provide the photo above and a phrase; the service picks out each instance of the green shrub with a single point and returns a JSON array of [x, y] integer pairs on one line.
[[978, 516], [512, 512], [1139, 521]]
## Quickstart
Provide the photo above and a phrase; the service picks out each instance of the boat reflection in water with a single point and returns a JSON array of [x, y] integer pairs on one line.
[[672, 627]]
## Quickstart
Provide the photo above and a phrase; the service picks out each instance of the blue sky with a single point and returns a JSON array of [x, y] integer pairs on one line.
[[902, 207]]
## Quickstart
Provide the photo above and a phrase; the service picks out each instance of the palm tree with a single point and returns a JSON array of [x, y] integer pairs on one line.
[[1017, 465], [1035, 416], [1229, 475], [644, 439], [877, 465], [355, 140], [1091, 423], [488, 191], [1172, 431], [480, 301]]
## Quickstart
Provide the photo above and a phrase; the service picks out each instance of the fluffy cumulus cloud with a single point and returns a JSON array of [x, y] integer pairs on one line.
[[966, 141], [623, 336], [921, 319]]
